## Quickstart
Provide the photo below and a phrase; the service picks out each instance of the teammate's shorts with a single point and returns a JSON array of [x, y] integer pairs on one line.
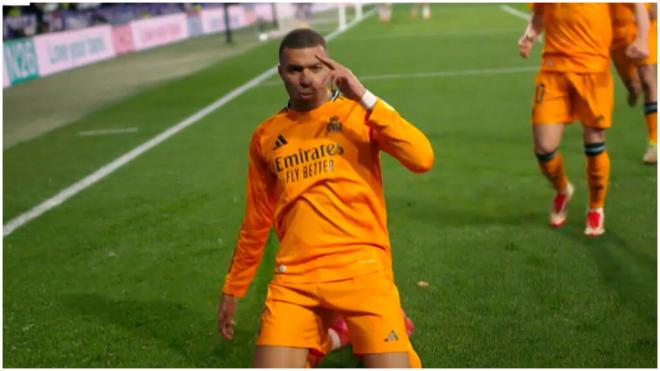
[[561, 98], [298, 314]]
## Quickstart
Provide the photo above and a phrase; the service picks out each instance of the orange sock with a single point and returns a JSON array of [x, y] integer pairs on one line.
[[552, 166], [598, 173], [651, 117]]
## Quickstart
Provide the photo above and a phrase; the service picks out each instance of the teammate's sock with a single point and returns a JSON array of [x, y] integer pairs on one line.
[[552, 166], [338, 333], [598, 173], [651, 117]]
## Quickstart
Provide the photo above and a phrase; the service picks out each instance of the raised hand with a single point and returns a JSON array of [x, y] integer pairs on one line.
[[342, 78], [525, 45]]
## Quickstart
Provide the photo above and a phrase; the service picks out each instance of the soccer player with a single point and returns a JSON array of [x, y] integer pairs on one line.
[[385, 12], [638, 75], [426, 10], [314, 174], [574, 83]]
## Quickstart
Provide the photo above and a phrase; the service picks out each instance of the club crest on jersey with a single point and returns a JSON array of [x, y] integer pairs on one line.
[[334, 125]]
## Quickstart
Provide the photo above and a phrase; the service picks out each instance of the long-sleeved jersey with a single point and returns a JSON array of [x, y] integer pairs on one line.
[[315, 177], [577, 37]]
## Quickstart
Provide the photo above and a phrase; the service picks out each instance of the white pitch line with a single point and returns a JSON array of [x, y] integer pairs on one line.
[[400, 35], [519, 14], [457, 73], [516, 12], [91, 133], [109, 168]]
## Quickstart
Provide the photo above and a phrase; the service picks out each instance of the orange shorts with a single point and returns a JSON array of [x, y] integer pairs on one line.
[[298, 314], [562, 97]]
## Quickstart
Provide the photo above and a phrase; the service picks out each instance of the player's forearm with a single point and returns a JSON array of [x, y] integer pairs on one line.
[[535, 26], [245, 261], [642, 22], [252, 237], [400, 139]]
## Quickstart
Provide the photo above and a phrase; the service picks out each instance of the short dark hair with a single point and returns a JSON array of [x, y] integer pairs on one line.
[[302, 38]]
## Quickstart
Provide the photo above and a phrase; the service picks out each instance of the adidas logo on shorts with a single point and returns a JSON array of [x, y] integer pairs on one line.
[[392, 336]]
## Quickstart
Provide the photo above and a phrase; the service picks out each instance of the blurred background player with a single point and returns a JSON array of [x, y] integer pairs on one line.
[[638, 75], [303, 14], [385, 12], [426, 10], [574, 83]]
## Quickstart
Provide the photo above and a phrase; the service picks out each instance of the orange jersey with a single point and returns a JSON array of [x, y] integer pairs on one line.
[[623, 22], [316, 177], [624, 26], [625, 31], [577, 36]]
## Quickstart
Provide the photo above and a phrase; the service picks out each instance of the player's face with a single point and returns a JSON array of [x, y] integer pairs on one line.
[[304, 76]]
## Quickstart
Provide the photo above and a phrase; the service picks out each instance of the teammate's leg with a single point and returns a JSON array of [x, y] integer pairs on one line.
[[547, 138], [553, 108], [598, 173], [647, 73], [594, 104]]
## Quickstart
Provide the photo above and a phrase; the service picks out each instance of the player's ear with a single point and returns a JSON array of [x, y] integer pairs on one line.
[[280, 70]]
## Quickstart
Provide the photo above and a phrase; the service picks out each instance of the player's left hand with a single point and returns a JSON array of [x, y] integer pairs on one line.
[[343, 79], [638, 49]]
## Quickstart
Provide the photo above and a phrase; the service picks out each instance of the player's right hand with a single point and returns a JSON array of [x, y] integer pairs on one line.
[[226, 311], [637, 50], [525, 45]]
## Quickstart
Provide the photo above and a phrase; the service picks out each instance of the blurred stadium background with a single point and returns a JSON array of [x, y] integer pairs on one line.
[[127, 272]]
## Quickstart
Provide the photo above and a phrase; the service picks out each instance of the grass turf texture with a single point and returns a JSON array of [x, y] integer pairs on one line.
[[127, 273]]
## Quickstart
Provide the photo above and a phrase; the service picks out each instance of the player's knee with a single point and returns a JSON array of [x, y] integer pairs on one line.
[[650, 108], [593, 135], [545, 151], [545, 156], [594, 149]]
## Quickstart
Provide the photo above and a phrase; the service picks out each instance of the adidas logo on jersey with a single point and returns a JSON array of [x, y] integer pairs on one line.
[[392, 336], [279, 142]]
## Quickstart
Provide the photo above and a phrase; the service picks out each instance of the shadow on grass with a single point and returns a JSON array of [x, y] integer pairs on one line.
[[630, 273], [438, 214], [182, 331], [170, 324]]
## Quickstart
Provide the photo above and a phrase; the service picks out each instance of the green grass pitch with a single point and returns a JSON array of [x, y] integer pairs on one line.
[[127, 273]]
